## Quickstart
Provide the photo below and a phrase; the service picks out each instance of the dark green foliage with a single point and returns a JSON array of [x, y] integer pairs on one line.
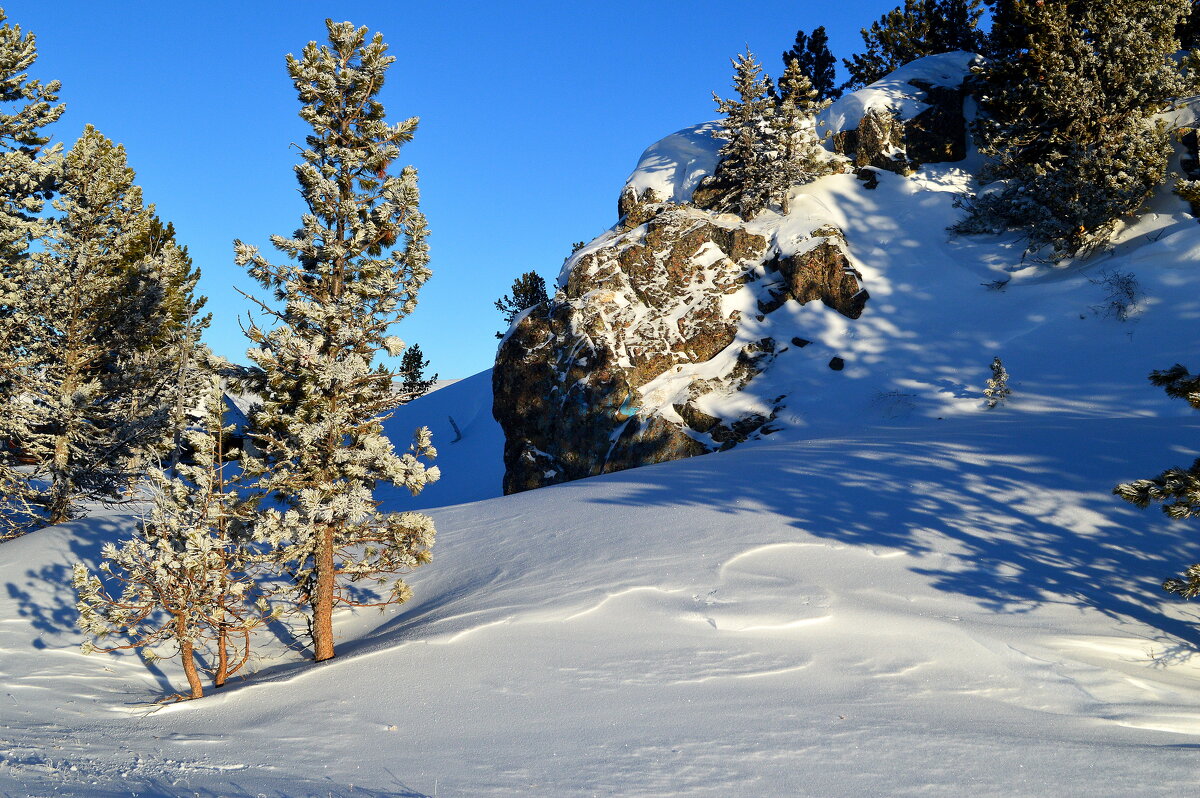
[[815, 60], [413, 382], [914, 30], [1188, 31], [1069, 119], [745, 163], [1176, 489], [528, 290]]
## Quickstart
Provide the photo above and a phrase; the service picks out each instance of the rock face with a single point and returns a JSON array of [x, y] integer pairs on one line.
[[913, 117], [663, 294]]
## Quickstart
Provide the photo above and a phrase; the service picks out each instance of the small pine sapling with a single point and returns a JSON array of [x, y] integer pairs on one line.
[[1176, 489], [997, 390], [528, 290], [181, 581]]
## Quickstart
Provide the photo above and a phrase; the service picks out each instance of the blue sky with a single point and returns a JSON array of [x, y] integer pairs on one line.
[[532, 115]]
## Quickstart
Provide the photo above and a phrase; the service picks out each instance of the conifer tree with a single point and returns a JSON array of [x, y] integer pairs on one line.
[[355, 267], [27, 166], [1176, 489], [800, 156], [28, 171], [528, 290], [914, 30], [1069, 122], [816, 62], [95, 373], [997, 389], [745, 160], [413, 382], [181, 579]]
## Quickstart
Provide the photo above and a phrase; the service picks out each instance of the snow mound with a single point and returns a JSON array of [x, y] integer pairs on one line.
[[471, 458], [675, 165], [896, 91]]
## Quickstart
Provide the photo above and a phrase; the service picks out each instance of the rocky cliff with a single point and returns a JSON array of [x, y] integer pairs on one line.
[[660, 323]]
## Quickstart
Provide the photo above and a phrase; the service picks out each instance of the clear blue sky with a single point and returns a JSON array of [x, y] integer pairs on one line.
[[532, 115]]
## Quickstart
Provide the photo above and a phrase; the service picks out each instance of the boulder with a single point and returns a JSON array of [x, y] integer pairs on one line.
[[651, 302]]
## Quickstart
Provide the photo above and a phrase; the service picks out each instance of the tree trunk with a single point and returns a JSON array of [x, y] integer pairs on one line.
[[222, 656], [59, 507], [189, 659], [322, 601]]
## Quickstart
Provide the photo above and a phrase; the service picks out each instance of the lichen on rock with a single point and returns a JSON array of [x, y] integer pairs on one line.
[[614, 371]]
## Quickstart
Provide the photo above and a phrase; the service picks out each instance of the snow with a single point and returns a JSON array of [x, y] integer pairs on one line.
[[674, 166], [896, 91], [898, 593]]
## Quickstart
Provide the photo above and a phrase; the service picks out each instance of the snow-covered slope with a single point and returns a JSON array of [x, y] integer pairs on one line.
[[898, 593], [896, 612]]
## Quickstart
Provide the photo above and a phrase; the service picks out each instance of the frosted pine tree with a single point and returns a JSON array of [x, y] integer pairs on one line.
[[798, 152], [27, 166], [746, 160], [179, 586], [355, 267], [28, 170], [997, 389], [1070, 122], [96, 370], [1176, 489]]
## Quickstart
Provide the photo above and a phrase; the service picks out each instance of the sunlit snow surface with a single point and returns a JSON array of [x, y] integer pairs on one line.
[[899, 593]]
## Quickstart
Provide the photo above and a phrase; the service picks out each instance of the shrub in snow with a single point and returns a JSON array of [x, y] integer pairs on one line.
[[1122, 292], [1176, 489], [997, 389], [355, 267], [1069, 118]]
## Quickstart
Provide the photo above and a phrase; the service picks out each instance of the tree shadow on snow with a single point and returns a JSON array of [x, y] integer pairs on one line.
[[1022, 511]]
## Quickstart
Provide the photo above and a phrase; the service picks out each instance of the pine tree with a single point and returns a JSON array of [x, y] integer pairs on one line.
[[1070, 122], [28, 172], [997, 390], [746, 159], [528, 290], [1176, 489], [182, 579], [413, 382], [27, 167], [95, 372], [800, 156], [914, 30], [320, 424], [817, 63]]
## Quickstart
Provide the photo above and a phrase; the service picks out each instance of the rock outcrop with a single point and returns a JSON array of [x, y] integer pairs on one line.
[[661, 296], [912, 117]]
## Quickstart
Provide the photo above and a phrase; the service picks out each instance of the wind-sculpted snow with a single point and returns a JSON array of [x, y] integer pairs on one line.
[[957, 602]]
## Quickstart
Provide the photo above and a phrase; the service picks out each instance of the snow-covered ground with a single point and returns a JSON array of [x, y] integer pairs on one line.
[[899, 593]]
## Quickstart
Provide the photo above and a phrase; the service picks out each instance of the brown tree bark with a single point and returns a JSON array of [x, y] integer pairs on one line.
[[322, 600], [189, 660]]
